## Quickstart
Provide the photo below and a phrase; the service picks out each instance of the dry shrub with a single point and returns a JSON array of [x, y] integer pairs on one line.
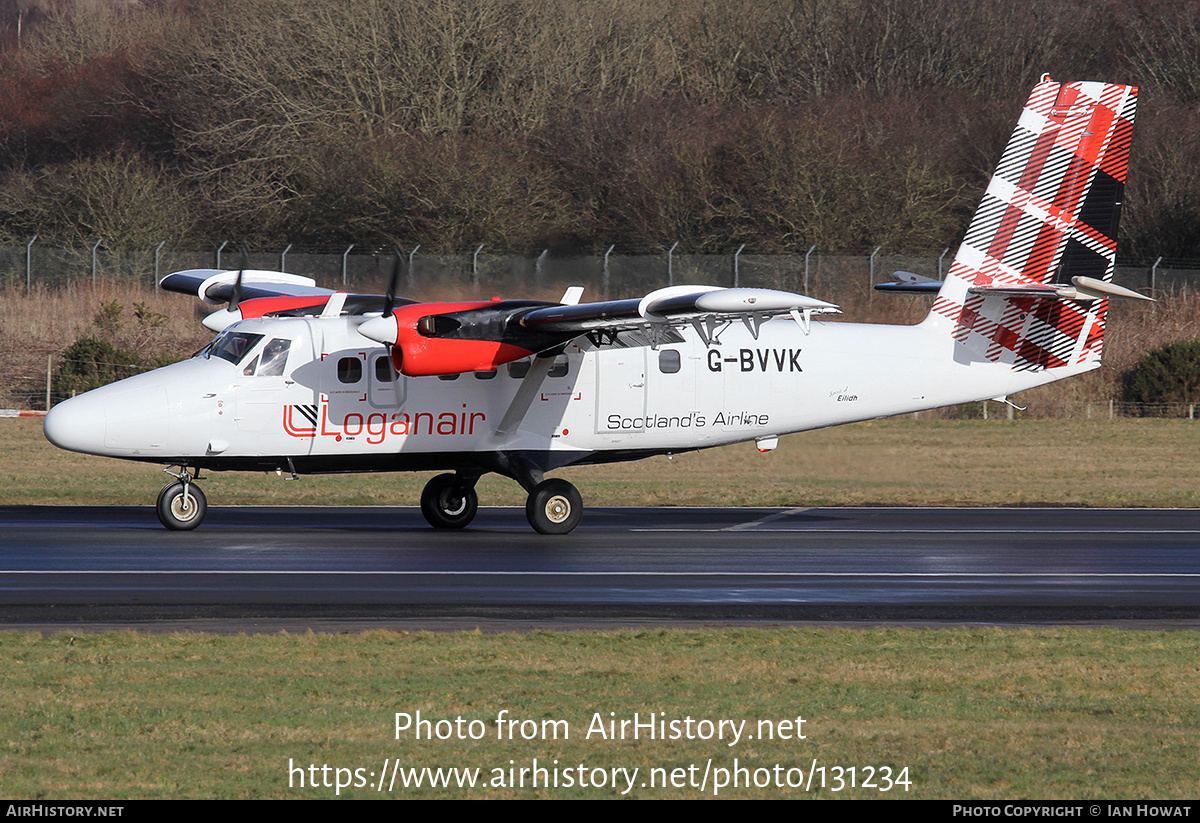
[[47, 321]]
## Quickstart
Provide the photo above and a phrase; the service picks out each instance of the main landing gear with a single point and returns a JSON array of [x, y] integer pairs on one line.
[[554, 507], [181, 504], [449, 501]]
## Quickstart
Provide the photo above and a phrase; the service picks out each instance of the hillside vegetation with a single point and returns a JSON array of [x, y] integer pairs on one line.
[[573, 124]]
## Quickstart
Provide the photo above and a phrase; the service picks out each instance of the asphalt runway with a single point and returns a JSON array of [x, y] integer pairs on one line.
[[254, 568]]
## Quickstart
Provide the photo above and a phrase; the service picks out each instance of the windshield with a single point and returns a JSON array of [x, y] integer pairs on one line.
[[232, 346]]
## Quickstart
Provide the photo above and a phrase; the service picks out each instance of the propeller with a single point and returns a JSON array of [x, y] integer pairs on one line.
[[236, 297], [394, 283]]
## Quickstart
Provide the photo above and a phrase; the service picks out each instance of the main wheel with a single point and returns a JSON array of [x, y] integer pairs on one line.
[[178, 511], [448, 503], [554, 507]]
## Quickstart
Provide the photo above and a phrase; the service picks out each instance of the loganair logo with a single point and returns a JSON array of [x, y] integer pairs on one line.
[[376, 427]]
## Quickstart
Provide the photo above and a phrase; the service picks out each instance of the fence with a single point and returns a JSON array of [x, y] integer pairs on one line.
[[603, 276]]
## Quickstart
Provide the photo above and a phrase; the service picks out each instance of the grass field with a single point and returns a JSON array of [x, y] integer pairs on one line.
[[970, 713], [1123, 462]]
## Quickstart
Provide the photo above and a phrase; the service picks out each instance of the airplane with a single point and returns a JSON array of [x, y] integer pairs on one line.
[[303, 379]]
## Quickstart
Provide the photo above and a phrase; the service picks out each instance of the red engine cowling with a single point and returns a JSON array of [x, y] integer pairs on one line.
[[421, 349]]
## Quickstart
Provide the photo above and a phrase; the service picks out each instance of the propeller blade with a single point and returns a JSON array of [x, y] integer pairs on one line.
[[236, 297], [393, 284]]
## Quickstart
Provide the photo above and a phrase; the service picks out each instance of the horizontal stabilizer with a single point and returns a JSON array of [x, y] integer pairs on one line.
[[1080, 288], [908, 283]]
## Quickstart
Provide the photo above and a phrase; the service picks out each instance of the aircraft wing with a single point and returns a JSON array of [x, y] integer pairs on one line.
[[450, 338], [267, 293], [673, 305], [440, 338], [215, 286]]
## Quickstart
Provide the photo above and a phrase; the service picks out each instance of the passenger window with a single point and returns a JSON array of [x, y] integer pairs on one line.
[[448, 376], [349, 370], [485, 375], [668, 361], [561, 366], [384, 373], [518, 368]]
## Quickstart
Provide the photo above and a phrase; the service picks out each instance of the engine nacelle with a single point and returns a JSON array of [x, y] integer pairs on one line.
[[425, 343]]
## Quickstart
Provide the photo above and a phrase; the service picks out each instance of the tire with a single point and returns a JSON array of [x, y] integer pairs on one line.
[[178, 513], [554, 507], [447, 503]]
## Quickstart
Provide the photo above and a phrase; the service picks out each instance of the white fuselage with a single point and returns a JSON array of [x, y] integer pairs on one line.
[[337, 405]]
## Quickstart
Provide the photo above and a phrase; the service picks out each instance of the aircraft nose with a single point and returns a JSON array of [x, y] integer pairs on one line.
[[76, 425], [123, 419]]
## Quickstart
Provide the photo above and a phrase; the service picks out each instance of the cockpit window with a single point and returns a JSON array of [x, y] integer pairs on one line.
[[232, 346], [274, 358]]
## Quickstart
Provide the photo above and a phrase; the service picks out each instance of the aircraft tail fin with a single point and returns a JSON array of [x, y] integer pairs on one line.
[[1049, 216]]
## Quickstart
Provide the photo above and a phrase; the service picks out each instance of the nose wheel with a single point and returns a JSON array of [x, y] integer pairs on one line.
[[181, 506], [449, 502], [554, 507]]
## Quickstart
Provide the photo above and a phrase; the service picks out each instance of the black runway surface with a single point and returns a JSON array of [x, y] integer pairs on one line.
[[255, 569]]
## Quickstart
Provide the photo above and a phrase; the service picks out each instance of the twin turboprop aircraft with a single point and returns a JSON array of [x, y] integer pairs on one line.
[[303, 379]]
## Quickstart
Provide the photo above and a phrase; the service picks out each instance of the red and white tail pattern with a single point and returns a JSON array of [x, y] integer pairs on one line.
[[1049, 214]]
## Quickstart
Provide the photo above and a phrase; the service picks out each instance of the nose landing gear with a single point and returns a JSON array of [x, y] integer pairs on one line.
[[181, 504]]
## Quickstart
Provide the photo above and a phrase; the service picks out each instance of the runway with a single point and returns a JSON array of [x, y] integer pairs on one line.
[[117, 565]]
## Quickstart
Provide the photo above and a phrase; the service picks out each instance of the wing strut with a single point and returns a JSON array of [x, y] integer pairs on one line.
[[523, 399]]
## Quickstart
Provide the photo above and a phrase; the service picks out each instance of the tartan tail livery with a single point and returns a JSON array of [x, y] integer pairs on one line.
[[1028, 285]]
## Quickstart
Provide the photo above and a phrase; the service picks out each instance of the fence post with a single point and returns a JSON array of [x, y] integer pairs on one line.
[[537, 267], [605, 281], [96, 246], [412, 282], [157, 252], [346, 252], [49, 358], [811, 249], [475, 266], [671, 265], [283, 257], [29, 263], [871, 275], [735, 264]]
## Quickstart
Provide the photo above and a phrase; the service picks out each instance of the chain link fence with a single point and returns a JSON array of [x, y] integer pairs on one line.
[[603, 276]]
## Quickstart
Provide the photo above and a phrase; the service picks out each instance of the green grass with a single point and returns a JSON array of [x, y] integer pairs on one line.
[[972, 713], [1123, 462]]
